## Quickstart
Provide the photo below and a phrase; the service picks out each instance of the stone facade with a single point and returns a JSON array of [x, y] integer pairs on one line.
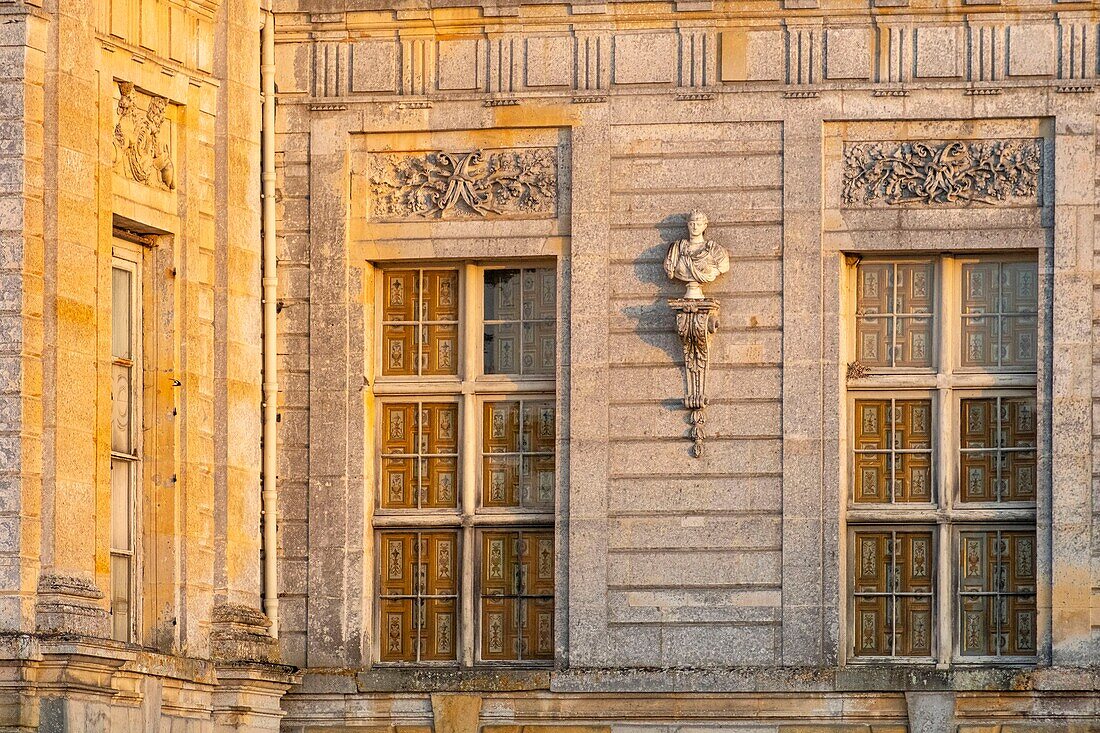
[[701, 566], [121, 124], [701, 594]]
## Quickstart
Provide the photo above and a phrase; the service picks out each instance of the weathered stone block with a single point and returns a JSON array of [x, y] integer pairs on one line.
[[549, 61], [937, 52], [847, 53], [645, 58], [1032, 50], [752, 55], [458, 65], [373, 66]]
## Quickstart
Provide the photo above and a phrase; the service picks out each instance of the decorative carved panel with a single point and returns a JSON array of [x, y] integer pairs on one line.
[[143, 138], [942, 173], [513, 183]]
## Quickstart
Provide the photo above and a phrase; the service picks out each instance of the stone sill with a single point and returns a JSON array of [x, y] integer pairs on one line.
[[393, 679]]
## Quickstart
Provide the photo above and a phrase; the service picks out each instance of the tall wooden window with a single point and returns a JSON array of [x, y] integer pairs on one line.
[[126, 383], [942, 470], [467, 429]]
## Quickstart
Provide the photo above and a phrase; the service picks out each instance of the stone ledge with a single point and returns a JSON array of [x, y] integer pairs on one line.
[[893, 679]]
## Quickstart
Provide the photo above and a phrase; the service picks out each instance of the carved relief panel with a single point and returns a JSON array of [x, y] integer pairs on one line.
[[467, 184], [143, 138]]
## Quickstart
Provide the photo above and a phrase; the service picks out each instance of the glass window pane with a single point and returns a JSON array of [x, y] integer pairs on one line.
[[121, 304], [502, 301], [517, 587], [518, 454], [120, 597], [420, 322], [399, 353], [441, 295], [122, 433], [999, 324], [121, 512], [501, 348], [520, 321], [440, 350], [875, 288], [895, 302], [539, 347], [997, 458], [401, 289], [997, 593], [894, 585], [893, 451], [419, 455], [418, 596]]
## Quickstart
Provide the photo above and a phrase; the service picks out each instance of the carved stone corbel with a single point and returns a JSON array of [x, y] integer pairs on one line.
[[696, 320]]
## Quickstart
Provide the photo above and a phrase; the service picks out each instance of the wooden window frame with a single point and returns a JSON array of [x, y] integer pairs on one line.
[[471, 388], [947, 383]]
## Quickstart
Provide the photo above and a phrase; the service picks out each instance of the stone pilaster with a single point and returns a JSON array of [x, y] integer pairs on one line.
[[22, 52], [76, 398]]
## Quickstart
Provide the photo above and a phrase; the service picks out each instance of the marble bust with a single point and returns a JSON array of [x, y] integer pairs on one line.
[[696, 260]]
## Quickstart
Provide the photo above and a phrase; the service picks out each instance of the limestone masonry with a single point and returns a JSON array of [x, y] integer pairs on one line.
[[523, 366]]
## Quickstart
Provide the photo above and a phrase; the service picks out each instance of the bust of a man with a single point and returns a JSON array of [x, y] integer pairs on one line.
[[696, 260]]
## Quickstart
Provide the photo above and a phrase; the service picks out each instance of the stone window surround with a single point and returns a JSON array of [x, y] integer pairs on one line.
[[946, 383], [471, 388]]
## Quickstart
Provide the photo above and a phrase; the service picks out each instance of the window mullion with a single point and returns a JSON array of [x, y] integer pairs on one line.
[[469, 451]]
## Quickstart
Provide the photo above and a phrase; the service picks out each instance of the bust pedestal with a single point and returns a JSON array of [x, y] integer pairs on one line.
[[696, 320]]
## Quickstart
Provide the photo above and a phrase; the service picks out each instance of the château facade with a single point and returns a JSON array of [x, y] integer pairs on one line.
[[549, 367]]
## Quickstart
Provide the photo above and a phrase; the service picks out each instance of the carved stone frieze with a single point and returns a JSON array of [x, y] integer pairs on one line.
[[143, 150], [513, 183], [942, 173]]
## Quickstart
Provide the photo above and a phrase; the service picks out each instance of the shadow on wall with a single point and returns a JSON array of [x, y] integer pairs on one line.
[[654, 322]]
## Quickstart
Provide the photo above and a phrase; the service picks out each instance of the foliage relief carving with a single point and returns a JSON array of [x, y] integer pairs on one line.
[[515, 183], [942, 173]]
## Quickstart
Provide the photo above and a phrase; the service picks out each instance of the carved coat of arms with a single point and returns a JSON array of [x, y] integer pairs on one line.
[[143, 152]]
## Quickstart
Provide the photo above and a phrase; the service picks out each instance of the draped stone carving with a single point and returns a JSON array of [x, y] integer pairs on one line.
[[514, 183], [942, 173]]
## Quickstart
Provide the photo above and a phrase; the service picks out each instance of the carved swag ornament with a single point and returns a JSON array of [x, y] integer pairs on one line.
[[948, 173], [694, 261], [142, 150], [518, 183]]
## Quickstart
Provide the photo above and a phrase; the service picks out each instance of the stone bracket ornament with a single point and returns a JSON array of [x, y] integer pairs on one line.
[[514, 183], [695, 261], [696, 320], [942, 173]]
